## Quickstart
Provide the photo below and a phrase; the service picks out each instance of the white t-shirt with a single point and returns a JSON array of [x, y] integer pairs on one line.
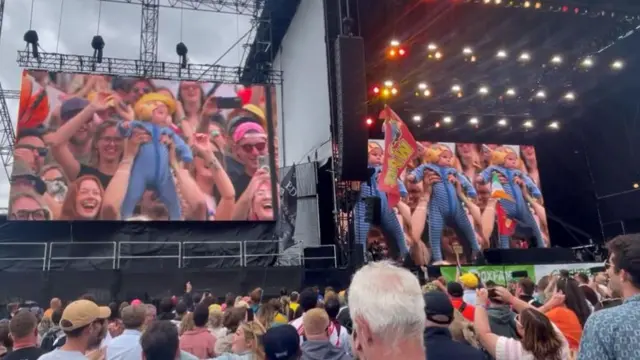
[[59, 354]]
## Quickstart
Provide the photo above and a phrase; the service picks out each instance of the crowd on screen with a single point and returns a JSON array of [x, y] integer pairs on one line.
[[429, 232], [384, 314], [93, 147]]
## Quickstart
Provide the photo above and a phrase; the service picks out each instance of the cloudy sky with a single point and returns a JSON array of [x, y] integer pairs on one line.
[[67, 26]]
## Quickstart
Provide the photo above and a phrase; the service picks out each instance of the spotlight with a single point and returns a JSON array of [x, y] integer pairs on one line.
[[538, 5], [386, 92], [635, 185], [617, 65], [474, 121], [388, 83], [473, 58], [570, 96], [394, 91], [483, 90], [528, 124], [392, 52], [181, 50], [394, 43], [369, 121], [502, 54], [422, 86], [456, 88], [447, 119], [401, 52], [432, 47], [502, 122], [376, 90], [426, 93], [510, 92], [541, 94], [524, 57], [587, 62], [467, 51], [438, 55], [554, 125], [498, 2], [417, 118], [556, 59], [487, 1], [31, 38], [527, 4]]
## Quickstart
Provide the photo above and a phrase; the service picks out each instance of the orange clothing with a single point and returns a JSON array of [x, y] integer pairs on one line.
[[469, 311], [48, 313], [568, 323]]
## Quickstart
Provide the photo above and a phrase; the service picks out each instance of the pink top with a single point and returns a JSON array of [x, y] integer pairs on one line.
[[198, 342], [511, 349]]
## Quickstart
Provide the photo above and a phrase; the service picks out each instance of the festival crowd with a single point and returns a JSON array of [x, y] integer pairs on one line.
[[384, 314], [455, 201], [94, 147]]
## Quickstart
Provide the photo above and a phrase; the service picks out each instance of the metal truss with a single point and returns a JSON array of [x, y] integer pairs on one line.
[[149, 26], [138, 68], [7, 135], [236, 7], [10, 94]]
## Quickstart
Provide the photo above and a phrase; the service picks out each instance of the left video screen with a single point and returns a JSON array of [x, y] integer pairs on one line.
[[96, 147]]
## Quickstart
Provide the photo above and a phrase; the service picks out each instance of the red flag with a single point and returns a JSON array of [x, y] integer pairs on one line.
[[399, 148], [506, 226]]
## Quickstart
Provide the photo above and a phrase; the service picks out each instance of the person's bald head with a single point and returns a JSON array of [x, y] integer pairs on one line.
[[55, 303]]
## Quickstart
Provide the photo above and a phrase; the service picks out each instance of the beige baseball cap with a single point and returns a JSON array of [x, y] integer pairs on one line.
[[82, 313]]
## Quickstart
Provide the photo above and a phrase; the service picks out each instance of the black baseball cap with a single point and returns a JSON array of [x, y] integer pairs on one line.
[[455, 289], [438, 307], [281, 343]]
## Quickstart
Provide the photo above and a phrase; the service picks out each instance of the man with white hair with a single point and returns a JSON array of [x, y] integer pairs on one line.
[[387, 308]]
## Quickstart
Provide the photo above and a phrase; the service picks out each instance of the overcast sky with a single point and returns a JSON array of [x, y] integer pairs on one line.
[[207, 35]]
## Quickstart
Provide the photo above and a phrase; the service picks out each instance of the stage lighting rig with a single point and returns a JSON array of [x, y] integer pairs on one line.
[[369, 121], [503, 122], [386, 90], [587, 62], [97, 43], [474, 121], [528, 124], [511, 92], [570, 96], [556, 60], [554, 125], [524, 57], [541, 95], [182, 50], [447, 119], [417, 118], [501, 54], [395, 50], [617, 65], [483, 90], [31, 38]]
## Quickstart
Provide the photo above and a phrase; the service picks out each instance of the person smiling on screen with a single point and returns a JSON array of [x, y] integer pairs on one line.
[[83, 200]]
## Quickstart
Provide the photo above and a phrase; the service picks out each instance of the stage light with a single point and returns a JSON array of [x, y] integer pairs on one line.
[[426, 93], [438, 55], [510, 92], [556, 59], [432, 47], [376, 90], [394, 91], [541, 94], [474, 121], [456, 88], [447, 119], [538, 5], [587, 62], [498, 2], [394, 43], [388, 83], [570, 96], [467, 51], [369, 121], [635, 185], [502, 122], [422, 86], [417, 118], [487, 1], [386, 92], [502, 54], [617, 65], [528, 124], [483, 90], [527, 4], [402, 52], [392, 52], [473, 58], [524, 57], [554, 125]]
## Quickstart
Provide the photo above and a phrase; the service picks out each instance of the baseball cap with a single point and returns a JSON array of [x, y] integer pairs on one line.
[[281, 342], [81, 313], [438, 307], [455, 289], [72, 107]]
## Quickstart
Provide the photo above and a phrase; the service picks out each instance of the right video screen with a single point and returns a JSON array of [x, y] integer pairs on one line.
[[466, 197]]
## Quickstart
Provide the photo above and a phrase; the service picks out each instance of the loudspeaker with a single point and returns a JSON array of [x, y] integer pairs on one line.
[[529, 256], [319, 257], [351, 105]]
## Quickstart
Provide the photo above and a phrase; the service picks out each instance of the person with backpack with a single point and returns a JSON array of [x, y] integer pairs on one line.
[[338, 334], [456, 292], [51, 339]]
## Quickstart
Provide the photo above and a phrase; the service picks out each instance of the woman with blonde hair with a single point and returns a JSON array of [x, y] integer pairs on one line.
[[186, 324], [246, 343]]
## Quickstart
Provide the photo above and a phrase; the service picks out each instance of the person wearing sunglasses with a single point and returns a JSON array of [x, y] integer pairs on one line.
[[30, 148], [249, 143]]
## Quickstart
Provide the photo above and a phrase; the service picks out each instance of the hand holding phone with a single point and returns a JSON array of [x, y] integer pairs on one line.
[[263, 163]]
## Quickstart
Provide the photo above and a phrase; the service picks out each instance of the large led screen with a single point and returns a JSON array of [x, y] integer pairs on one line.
[[461, 198], [94, 147]]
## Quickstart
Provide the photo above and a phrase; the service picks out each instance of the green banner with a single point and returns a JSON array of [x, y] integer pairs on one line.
[[500, 274]]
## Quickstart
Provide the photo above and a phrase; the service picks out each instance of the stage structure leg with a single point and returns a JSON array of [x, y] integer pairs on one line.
[[7, 135], [149, 27]]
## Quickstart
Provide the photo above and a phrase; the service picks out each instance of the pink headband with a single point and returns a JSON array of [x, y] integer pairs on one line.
[[136, 302], [242, 130]]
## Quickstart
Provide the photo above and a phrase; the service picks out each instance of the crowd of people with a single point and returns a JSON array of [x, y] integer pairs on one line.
[[95, 147], [384, 314], [456, 200]]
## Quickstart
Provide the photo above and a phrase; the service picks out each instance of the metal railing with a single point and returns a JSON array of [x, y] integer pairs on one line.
[[334, 257], [37, 247], [73, 247]]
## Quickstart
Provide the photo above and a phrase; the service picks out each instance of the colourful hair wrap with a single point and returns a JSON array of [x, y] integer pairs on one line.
[[242, 130]]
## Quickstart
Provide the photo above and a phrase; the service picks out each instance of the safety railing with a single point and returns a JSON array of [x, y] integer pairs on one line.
[[14, 251], [162, 251], [202, 253], [78, 251], [330, 249]]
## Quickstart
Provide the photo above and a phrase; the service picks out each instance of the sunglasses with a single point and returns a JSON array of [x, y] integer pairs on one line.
[[42, 151], [37, 215], [259, 146]]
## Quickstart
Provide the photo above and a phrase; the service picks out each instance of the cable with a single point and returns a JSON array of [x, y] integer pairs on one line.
[[181, 19], [33, 2], [60, 24], [99, 17], [226, 52]]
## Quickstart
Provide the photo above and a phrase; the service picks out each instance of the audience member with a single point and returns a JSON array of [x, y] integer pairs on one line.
[[338, 334], [501, 318], [50, 339], [247, 344], [387, 309], [281, 343], [437, 337], [456, 293], [199, 341], [127, 345], [54, 304], [470, 283], [525, 290], [160, 342], [316, 343], [608, 333], [24, 332], [231, 320], [308, 301], [81, 324]]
